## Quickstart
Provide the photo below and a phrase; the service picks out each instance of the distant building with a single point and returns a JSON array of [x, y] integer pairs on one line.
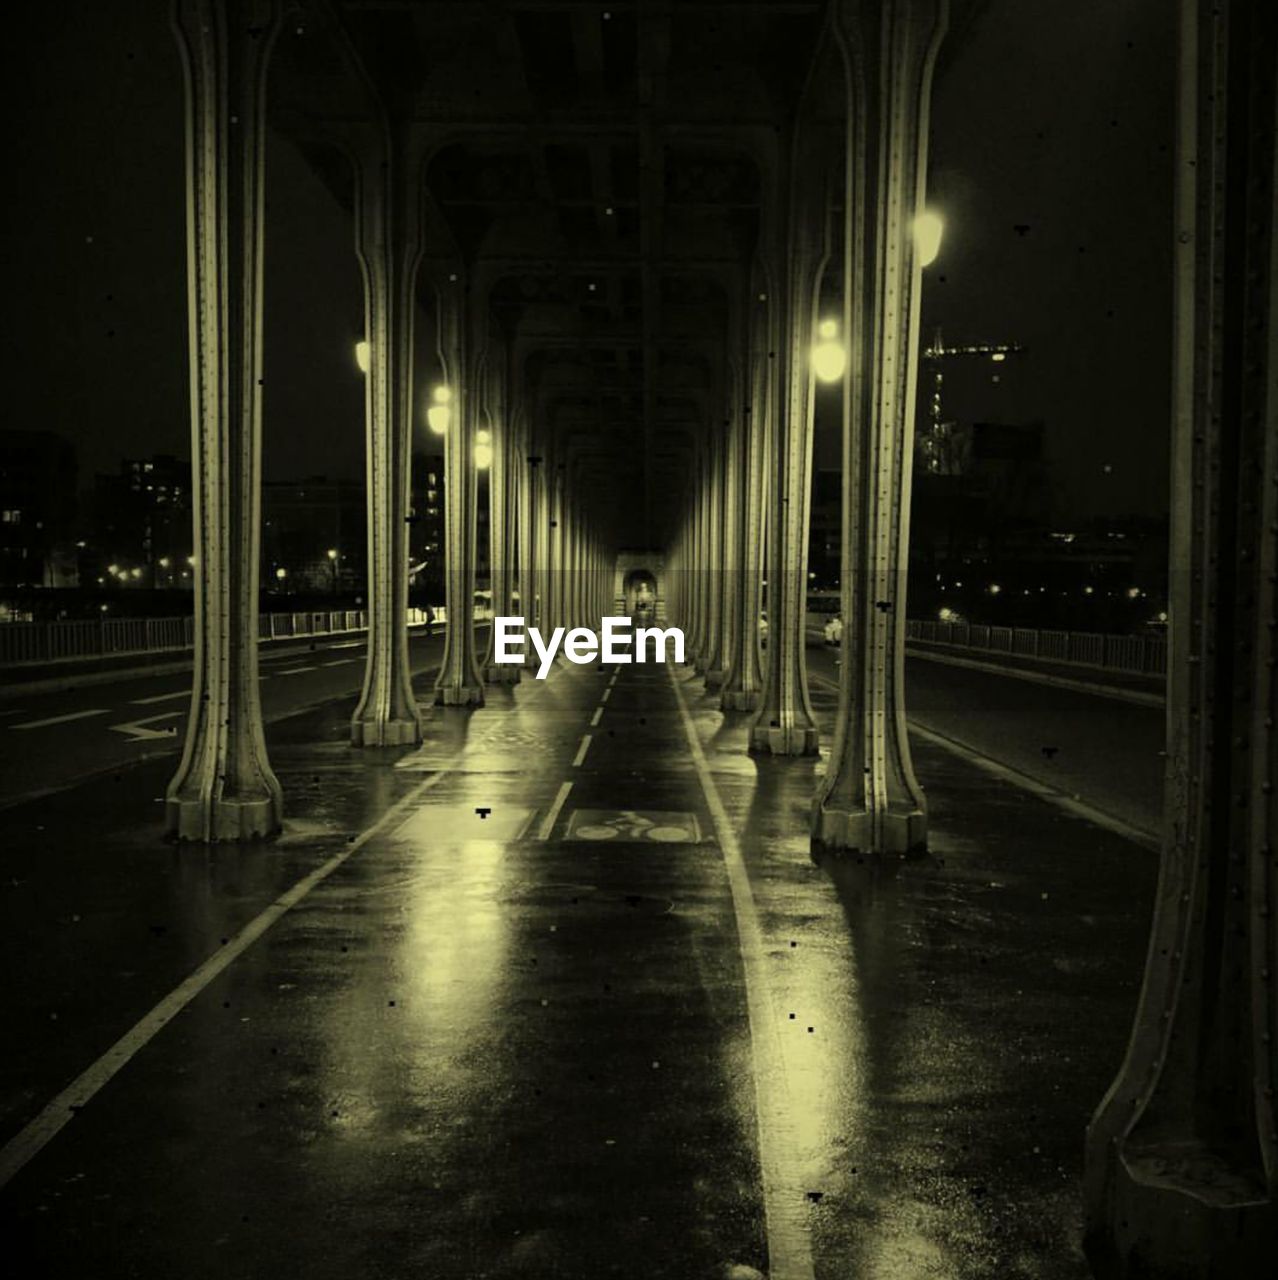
[[37, 509], [316, 532], [141, 525], [426, 541]]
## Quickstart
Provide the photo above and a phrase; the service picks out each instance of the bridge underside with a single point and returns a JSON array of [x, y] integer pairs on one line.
[[663, 966]]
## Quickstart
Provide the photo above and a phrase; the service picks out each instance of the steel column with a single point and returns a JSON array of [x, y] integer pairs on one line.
[[224, 788], [388, 245], [870, 799], [460, 682], [1182, 1155]]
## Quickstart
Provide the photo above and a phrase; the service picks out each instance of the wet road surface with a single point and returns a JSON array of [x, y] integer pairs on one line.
[[618, 1020]]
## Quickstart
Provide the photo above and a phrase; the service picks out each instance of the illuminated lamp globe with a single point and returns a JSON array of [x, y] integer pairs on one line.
[[829, 358], [928, 229]]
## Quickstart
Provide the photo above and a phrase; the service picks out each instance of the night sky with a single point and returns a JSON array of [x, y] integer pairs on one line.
[[1055, 118]]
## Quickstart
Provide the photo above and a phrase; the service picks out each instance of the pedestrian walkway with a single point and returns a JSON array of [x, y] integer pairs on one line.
[[562, 994]]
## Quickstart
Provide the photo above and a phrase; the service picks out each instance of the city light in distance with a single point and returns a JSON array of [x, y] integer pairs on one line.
[[928, 229], [332, 553], [363, 355], [483, 455], [281, 573]]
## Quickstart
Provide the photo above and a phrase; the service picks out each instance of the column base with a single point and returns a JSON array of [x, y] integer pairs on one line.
[[715, 678], [502, 673], [1180, 1212], [466, 695], [798, 740], [852, 831], [739, 700], [387, 733], [211, 821]]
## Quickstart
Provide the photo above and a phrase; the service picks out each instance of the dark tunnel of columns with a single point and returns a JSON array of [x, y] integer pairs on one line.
[[617, 271]]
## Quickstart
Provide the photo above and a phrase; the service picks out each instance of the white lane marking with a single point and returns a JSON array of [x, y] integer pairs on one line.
[[581, 751], [294, 671], [16, 711], [161, 697], [784, 1190], [1027, 782], [31, 1140], [1045, 791], [1140, 697], [548, 822], [594, 720], [138, 732], [74, 715], [607, 693], [341, 662]]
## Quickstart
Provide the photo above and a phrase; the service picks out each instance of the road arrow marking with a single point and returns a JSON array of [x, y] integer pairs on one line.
[[138, 732]]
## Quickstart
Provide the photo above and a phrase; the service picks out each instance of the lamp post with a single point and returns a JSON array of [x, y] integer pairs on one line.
[[332, 560]]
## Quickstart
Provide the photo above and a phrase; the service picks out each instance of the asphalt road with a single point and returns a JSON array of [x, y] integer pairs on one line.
[[1103, 751], [51, 740]]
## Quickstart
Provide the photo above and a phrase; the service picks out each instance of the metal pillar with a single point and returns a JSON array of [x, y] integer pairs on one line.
[[784, 723], [712, 657], [460, 682], [1182, 1155], [539, 517], [870, 799], [743, 684], [699, 559], [224, 788], [557, 614], [502, 514], [388, 245]]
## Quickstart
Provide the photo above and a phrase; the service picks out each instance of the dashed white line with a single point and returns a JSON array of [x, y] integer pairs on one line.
[[294, 671], [552, 816], [594, 720], [74, 715], [161, 697], [581, 751], [607, 693], [340, 662]]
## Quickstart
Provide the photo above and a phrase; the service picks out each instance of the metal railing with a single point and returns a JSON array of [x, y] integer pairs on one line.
[[66, 639], [1135, 655]]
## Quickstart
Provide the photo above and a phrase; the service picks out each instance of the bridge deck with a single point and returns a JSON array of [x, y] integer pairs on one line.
[[617, 1022]]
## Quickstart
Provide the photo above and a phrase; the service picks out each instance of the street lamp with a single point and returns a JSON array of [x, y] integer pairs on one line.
[[439, 413], [928, 228], [483, 449], [332, 559], [829, 357]]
